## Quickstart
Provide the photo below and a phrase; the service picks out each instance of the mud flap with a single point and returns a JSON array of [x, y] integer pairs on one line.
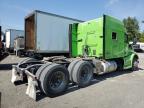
[[31, 88], [14, 74]]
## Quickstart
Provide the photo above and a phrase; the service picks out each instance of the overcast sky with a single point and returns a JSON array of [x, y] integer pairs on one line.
[[12, 12]]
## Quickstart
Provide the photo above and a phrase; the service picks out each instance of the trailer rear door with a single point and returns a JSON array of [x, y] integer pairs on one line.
[[30, 33]]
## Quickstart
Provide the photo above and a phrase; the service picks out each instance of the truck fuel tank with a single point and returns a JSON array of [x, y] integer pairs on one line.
[[108, 66], [102, 67]]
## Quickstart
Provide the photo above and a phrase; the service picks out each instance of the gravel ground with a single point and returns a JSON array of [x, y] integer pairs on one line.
[[113, 90]]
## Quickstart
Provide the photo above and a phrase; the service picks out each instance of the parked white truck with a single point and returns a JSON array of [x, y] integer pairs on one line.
[[11, 34], [139, 46], [19, 46]]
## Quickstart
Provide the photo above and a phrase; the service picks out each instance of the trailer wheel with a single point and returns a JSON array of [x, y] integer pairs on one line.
[[71, 67], [82, 73], [54, 79], [135, 64]]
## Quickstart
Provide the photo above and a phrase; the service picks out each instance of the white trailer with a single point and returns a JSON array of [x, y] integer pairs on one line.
[[11, 34], [47, 33]]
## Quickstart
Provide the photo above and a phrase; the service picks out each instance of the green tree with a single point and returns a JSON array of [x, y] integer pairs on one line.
[[141, 37], [132, 27]]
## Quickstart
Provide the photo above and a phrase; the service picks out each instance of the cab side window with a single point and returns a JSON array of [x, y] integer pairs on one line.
[[114, 35]]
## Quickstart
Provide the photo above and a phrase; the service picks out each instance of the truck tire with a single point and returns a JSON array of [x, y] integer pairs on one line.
[[39, 71], [71, 67], [82, 73], [54, 80], [134, 64]]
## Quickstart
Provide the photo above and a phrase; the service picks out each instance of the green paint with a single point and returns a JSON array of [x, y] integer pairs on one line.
[[89, 34], [101, 38], [129, 59], [114, 47], [74, 40]]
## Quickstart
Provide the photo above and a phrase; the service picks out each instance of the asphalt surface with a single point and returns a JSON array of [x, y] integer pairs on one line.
[[114, 90]]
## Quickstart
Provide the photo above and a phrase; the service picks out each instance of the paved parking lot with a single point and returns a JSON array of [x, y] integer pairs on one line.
[[114, 90]]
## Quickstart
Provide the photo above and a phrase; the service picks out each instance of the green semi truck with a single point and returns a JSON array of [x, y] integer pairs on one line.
[[97, 46], [103, 38]]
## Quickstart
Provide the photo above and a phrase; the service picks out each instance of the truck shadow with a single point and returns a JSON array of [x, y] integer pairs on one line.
[[20, 82], [3, 56], [139, 51], [111, 74], [6, 66], [96, 79]]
